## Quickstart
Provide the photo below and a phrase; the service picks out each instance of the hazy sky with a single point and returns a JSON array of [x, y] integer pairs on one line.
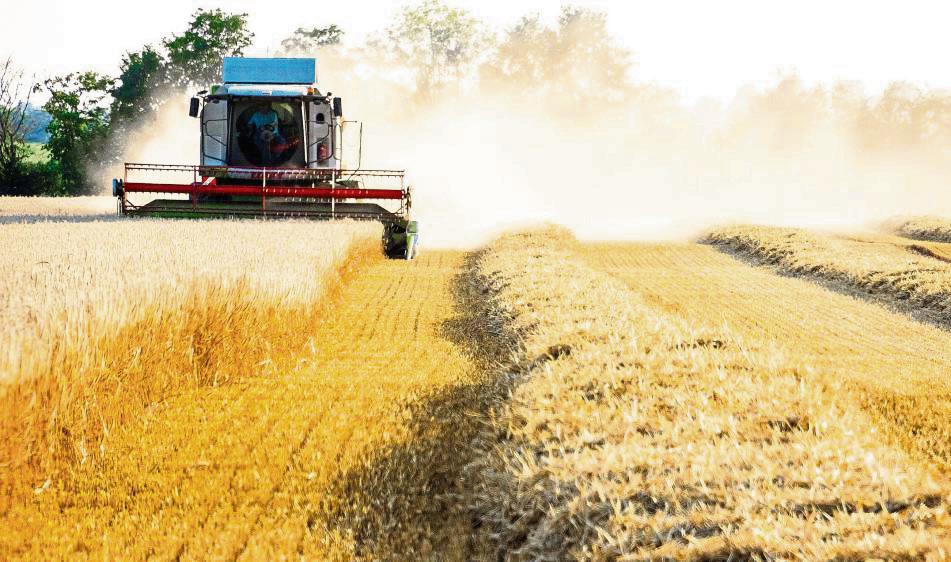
[[701, 48]]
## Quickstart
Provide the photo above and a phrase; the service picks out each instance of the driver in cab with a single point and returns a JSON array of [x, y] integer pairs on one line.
[[265, 131]]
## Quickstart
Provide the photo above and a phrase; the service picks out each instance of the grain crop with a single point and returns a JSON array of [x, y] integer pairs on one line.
[[102, 319], [912, 277], [636, 435], [24, 209], [888, 364], [351, 450], [936, 229]]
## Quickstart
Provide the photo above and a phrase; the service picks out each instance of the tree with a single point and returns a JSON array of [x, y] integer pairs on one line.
[[439, 42], [904, 117], [15, 123], [137, 94], [309, 40], [79, 108], [781, 119], [196, 56], [142, 73], [524, 54], [150, 76], [578, 59]]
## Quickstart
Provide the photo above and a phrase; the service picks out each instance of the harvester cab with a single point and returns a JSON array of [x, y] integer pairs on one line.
[[272, 146]]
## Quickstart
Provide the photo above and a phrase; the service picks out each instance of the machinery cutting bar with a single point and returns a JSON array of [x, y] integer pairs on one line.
[[266, 191]]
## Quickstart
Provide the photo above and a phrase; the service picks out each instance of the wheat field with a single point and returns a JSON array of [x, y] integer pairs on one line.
[[915, 277], [278, 390], [102, 319], [644, 431], [24, 209], [293, 461], [936, 229]]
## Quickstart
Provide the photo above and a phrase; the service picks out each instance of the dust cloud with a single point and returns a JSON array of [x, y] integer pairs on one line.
[[166, 136], [170, 136], [626, 162], [648, 167]]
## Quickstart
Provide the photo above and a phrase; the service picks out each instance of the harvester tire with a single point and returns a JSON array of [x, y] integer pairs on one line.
[[395, 252]]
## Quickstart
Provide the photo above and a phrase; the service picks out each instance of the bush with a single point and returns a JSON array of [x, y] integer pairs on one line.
[[34, 178]]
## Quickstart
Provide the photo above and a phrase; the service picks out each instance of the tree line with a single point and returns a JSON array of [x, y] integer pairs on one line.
[[573, 63], [92, 114]]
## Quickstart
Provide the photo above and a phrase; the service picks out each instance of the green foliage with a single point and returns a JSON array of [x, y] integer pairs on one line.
[[309, 40], [135, 96], [36, 174], [196, 56], [36, 153], [439, 42], [141, 73], [192, 58], [92, 115], [37, 177], [78, 105]]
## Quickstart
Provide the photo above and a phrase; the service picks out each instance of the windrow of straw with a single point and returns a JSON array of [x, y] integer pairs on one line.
[[895, 273], [935, 229], [101, 320], [635, 436]]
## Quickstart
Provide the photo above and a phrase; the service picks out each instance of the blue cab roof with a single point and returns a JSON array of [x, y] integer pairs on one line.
[[241, 70]]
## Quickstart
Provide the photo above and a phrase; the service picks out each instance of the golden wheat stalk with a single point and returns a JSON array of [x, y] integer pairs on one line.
[[935, 229], [635, 435], [100, 319], [908, 274]]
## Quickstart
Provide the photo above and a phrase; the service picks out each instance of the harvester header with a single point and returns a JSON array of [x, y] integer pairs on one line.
[[272, 146]]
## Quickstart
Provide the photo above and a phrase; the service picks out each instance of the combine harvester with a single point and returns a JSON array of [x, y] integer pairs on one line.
[[272, 147]]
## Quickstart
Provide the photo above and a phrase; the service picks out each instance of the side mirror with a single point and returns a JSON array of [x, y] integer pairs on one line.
[[338, 107], [193, 107]]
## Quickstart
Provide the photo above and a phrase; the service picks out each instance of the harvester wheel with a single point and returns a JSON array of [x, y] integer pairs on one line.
[[393, 249], [400, 240]]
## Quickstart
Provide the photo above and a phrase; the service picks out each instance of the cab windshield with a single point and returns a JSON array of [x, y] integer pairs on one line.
[[267, 134]]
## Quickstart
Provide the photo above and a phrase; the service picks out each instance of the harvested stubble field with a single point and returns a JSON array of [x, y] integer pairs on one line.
[[915, 277], [926, 228], [536, 399], [892, 365], [648, 426]]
